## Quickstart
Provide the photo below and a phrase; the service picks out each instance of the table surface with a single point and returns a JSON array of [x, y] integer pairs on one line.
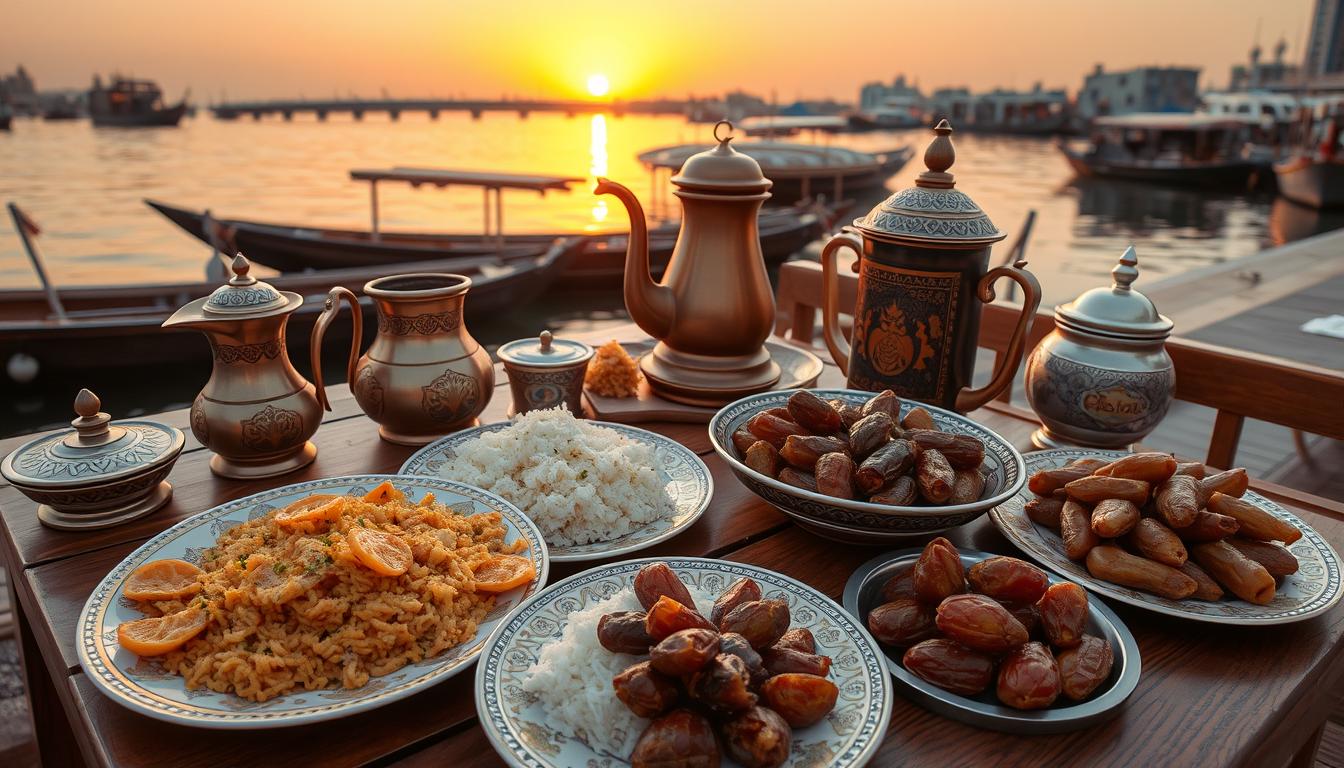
[[1209, 695]]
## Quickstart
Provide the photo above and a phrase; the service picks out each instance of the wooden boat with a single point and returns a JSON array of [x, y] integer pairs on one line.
[[128, 103], [1316, 182], [1182, 149]]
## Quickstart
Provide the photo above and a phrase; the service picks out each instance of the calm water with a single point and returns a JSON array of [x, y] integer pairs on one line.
[[85, 187]]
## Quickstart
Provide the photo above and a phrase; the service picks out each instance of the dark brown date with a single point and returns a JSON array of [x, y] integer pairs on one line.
[[723, 685], [762, 622], [1007, 578], [744, 590], [884, 465], [685, 652], [899, 584], [902, 622], [1205, 587], [938, 572], [835, 475], [869, 433], [934, 477], [798, 479], [1084, 667], [799, 639], [950, 666], [812, 413], [772, 429], [656, 580], [980, 623], [1063, 611], [1029, 678], [886, 402], [849, 413], [1274, 557], [802, 451], [668, 616], [1075, 528], [918, 418], [800, 699], [1044, 511], [734, 644], [961, 451], [779, 661], [742, 440], [645, 690], [901, 493], [762, 457], [624, 632], [968, 486], [680, 739], [758, 738], [1025, 613]]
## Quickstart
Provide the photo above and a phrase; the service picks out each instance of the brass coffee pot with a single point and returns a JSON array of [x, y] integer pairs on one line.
[[714, 309], [256, 412]]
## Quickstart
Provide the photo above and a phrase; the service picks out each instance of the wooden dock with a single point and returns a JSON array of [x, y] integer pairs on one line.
[[394, 108]]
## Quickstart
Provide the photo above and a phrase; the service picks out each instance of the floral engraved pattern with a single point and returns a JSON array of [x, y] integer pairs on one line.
[[452, 397], [440, 322], [248, 353], [200, 426], [239, 298], [368, 392], [272, 429], [143, 443]]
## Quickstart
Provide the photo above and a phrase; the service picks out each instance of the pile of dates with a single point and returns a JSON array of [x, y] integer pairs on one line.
[[867, 453], [1011, 629], [741, 676]]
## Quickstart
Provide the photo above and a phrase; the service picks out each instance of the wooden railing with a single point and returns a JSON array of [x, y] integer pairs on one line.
[[1237, 385]]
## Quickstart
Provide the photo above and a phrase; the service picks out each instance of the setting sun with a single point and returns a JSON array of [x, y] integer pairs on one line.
[[598, 85]]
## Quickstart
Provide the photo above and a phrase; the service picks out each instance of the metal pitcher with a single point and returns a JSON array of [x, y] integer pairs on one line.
[[423, 376]]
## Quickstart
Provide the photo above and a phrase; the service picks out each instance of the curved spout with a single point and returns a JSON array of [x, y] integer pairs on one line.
[[650, 304]]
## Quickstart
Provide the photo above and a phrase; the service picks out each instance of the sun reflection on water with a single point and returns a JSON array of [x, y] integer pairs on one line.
[[597, 164]]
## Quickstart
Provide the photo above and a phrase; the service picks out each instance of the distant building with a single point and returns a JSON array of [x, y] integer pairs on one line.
[[1262, 75], [1325, 51], [19, 91], [877, 94], [1002, 110], [1144, 89]]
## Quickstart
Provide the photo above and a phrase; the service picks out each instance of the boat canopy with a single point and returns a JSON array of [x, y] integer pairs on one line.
[[786, 124], [1162, 121], [778, 160], [443, 177]]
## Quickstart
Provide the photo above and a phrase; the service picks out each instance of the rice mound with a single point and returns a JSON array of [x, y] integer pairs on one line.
[[572, 679], [580, 483]]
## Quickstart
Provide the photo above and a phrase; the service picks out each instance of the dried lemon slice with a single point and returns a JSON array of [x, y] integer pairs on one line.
[[380, 552], [161, 634], [163, 580], [503, 572]]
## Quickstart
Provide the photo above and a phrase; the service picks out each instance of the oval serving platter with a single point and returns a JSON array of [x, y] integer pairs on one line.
[[144, 686], [1314, 589], [863, 593], [686, 476], [521, 732]]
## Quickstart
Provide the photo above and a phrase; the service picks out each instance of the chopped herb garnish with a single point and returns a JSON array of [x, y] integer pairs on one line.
[[363, 524], [326, 539], [583, 475], [242, 561], [328, 559], [279, 568]]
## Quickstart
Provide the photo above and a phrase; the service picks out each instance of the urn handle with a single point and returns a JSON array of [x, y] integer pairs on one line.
[[830, 296], [969, 399], [329, 312]]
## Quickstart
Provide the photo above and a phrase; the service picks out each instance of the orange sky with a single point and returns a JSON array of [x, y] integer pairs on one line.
[[253, 49]]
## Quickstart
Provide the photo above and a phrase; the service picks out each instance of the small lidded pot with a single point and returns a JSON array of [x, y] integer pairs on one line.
[[98, 475], [546, 372], [1103, 377]]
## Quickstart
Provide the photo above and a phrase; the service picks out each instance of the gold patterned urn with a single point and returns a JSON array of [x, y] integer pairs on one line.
[[423, 376], [256, 412]]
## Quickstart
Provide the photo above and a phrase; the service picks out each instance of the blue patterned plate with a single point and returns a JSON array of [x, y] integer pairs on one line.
[[687, 478], [1314, 589], [144, 686], [521, 731]]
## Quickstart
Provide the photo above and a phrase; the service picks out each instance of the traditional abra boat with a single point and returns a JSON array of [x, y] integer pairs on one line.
[[1314, 176], [1185, 149], [127, 103]]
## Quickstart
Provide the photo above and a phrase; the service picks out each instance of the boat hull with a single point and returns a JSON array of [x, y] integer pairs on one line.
[[1233, 175], [1316, 184], [159, 118]]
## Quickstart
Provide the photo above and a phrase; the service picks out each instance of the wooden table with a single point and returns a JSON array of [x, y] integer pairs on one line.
[[1209, 695]]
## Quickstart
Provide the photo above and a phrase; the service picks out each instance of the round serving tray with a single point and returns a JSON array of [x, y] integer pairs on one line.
[[862, 594]]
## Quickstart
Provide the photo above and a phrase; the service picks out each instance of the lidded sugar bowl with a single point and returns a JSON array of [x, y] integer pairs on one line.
[[100, 474], [546, 372], [1103, 377]]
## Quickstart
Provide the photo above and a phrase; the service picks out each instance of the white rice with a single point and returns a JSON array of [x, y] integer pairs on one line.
[[572, 679], [578, 482]]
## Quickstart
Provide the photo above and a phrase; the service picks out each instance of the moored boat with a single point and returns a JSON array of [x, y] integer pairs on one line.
[[127, 103], [1316, 182], [1183, 149]]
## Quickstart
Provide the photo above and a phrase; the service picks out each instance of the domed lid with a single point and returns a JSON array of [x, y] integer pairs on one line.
[[932, 212], [722, 169], [96, 451], [1118, 311], [545, 351], [243, 294]]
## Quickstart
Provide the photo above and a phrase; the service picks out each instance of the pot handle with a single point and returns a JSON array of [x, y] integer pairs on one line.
[[969, 399], [830, 296], [329, 312]]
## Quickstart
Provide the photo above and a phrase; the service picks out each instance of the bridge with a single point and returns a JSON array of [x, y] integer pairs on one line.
[[358, 108]]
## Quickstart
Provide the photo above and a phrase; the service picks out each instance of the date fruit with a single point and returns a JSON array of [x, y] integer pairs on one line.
[[938, 572], [812, 413], [656, 580], [1274, 557], [734, 644], [624, 632], [723, 685], [1152, 467], [1075, 528], [849, 413], [918, 418], [802, 451], [901, 493], [835, 475], [1117, 566], [1254, 522], [1241, 575], [804, 480], [961, 451], [884, 465], [744, 590], [1063, 611], [934, 477], [1044, 511], [1007, 578], [1194, 469], [886, 402], [681, 738], [799, 639], [762, 457], [779, 661], [668, 616], [758, 738], [800, 699], [743, 440], [1047, 481], [902, 622], [870, 433], [1156, 541], [968, 487], [685, 652], [1177, 500], [1114, 517], [1092, 489], [646, 691], [1084, 667], [1029, 678], [980, 623], [772, 429], [1208, 526], [1205, 587], [950, 666], [761, 622], [1233, 482]]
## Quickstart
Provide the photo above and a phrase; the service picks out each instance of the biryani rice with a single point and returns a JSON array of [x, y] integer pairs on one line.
[[291, 607]]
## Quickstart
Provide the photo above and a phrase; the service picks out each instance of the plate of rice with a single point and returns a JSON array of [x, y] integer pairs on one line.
[[544, 689], [594, 489], [310, 601]]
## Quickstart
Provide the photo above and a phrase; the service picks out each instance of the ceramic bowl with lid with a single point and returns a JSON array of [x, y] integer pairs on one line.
[[99, 474], [546, 372]]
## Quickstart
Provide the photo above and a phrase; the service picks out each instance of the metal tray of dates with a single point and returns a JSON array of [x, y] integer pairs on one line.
[[862, 594]]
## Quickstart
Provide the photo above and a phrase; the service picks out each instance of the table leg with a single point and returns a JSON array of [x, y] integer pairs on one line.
[[1306, 756], [56, 744]]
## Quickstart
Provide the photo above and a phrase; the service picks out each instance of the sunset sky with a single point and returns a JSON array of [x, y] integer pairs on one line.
[[549, 48]]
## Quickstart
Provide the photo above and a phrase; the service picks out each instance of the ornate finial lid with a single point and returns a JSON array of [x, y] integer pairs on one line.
[[243, 294], [722, 168], [932, 212], [545, 351], [95, 452], [1118, 311]]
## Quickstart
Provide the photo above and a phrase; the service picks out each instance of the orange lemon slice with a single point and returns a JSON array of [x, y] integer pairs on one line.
[[323, 507], [161, 634], [503, 572], [380, 552], [384, 493], [163, 580]]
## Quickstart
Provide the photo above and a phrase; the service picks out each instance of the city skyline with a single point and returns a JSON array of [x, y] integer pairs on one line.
[[695, 47]]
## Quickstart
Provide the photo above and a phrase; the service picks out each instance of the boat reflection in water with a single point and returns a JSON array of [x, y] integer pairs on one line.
[[1140, 211], [1289, 221]]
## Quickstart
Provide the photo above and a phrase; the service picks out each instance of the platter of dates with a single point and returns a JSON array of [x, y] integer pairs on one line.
[[863, 466], [1173, 537], [994, 641], [683, 661]]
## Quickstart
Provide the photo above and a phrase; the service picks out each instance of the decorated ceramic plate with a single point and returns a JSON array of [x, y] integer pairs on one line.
[[143, 685], [526, 732], [1314, 589], [687, 480]]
